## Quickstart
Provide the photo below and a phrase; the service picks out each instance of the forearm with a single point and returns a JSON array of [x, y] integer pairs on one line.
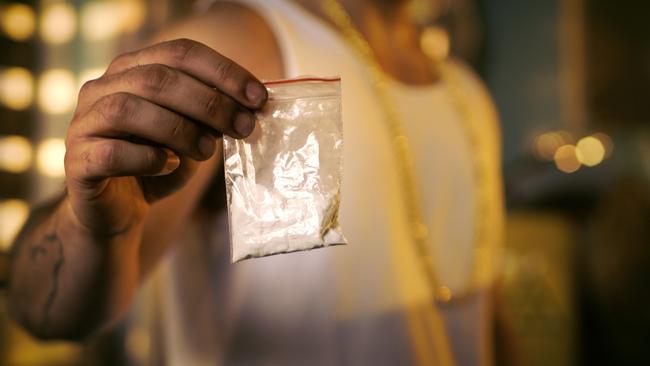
[[67, 282], [138, 136]]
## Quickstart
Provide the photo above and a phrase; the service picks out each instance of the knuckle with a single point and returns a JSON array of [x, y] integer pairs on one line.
[[115, 107], [224, 70], [74, 126], [177, 129], [107, 156], [183, 135], [67, 161], [154, 78], [73, 159], [68, 142], [214, 104], [87, 87], [120, 60], [180, 48]]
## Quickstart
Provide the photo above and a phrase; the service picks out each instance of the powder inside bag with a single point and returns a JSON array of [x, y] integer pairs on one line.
[[283, 181]]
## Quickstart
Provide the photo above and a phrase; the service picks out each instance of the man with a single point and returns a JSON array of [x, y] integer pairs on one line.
[[142, 152]]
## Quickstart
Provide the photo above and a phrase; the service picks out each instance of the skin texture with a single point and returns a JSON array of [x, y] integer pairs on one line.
[[142, 148]]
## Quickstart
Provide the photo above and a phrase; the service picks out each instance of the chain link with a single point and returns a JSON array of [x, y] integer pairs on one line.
[[418, 229]]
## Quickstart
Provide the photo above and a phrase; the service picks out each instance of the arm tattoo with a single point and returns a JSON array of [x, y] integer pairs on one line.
[[50, 247], [38, 215]]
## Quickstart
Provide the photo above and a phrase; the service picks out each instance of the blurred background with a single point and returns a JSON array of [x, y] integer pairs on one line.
[[571, 80]]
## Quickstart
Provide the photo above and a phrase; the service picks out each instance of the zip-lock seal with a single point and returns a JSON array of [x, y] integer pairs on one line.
[[283, 181]]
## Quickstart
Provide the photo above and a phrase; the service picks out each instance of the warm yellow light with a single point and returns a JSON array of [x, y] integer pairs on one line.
[[434, 41], [18, 21], [607, 142], [567, 158], [57, 91], [16, 88], [15, 154], [102, 20], [566, 137], [134, 13], [547, 144], [49, 158], [13, 214], [592, 151], [58, 23]]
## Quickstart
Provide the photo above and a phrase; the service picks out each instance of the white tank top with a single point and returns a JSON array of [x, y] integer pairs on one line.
[[349, 304]]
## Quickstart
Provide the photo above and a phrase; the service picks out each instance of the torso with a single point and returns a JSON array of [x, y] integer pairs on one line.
[[351, 304]]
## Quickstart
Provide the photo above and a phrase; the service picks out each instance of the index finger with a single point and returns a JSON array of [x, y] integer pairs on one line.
[[201, 62]]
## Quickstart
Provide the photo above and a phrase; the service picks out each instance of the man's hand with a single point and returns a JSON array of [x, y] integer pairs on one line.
[[140, 130]]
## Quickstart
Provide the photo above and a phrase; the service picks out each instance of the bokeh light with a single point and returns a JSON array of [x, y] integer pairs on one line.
[[56, 91], [58, 23], [134, 13], [15, 154], [49, 157], [16, 88], [566, 137], [607, 142], [592, 151], [435, 42], [547, 144], [101, 20], [567, 158], [18, 21], [13, 214]]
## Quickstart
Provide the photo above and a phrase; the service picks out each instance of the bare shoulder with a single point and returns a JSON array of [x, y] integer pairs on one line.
[[237, 32]]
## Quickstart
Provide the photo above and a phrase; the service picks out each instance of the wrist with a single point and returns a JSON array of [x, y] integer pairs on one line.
[[97, 232], [113, 252], [121, 247]]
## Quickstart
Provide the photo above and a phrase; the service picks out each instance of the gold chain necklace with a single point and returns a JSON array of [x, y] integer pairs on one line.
[[418, 230]]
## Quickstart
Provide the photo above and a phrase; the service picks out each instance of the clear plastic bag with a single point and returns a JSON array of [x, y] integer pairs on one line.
[[283, 181]]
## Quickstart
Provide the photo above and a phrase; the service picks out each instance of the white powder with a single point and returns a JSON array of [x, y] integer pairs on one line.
[[280, 224], [283, 181]]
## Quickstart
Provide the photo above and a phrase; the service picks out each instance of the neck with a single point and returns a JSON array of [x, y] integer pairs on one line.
[[391, 33]]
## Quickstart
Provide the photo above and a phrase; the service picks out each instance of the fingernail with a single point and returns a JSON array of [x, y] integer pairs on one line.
[[206, 146], [173, 162], [243, 124], [255, 92]]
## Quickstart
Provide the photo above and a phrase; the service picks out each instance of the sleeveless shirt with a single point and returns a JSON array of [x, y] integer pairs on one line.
[[345, 305]]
